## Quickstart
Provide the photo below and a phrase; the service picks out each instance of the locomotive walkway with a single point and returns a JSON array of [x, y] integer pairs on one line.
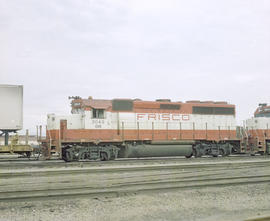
[[95, 179]]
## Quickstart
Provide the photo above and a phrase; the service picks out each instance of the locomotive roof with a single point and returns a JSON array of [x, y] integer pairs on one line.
[[96, 103], [101, 103], [262, 111], [137, 105]]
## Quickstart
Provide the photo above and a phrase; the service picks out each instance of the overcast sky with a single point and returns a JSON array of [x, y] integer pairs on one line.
[[148, 49]]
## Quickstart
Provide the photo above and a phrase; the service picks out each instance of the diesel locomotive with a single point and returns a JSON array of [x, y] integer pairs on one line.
[[109, 129], [256, 129]]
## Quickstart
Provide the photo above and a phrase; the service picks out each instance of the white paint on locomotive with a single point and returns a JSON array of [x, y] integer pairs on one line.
[[258, 123], [130, 120]]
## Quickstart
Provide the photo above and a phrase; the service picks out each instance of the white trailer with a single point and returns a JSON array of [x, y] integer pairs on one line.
[[11, 118], [11, 107]]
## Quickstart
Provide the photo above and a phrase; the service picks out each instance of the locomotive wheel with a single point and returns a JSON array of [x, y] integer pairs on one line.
[[103, 156], [197, 153], [69, 156], [189, 156], [82, 156], [222, 152], [261, 153]]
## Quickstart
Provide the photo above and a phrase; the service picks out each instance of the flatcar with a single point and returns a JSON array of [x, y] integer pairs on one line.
[[108, 129]]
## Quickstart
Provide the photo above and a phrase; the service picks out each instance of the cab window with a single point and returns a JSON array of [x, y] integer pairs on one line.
[[98, 114]]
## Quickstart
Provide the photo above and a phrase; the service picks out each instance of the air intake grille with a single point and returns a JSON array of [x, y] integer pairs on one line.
[[122, 105], [170, 106], [213, 110]]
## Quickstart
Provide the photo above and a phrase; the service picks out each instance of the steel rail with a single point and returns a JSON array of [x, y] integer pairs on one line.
[[62, 171], [132, 188]]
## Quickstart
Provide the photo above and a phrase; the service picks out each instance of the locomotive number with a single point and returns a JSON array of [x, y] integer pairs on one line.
[[98, 122]]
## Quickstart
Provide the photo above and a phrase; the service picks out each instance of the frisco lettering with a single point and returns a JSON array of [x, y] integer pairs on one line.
[[164, 116]]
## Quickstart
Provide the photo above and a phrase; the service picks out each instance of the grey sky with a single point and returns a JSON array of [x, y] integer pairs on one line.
[[148, 49]]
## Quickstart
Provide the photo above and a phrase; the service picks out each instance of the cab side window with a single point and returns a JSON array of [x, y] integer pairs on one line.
[[98, 114]]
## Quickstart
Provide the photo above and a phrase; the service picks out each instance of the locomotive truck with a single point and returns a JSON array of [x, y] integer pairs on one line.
[[109, 129]]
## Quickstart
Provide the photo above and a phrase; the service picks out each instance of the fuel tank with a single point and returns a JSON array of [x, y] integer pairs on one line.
[[156, 150]]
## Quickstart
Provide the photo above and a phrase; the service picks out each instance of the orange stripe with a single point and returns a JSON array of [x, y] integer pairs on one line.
[[111, 135]]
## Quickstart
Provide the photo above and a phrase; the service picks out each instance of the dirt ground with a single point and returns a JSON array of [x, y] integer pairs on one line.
[[210, 203]]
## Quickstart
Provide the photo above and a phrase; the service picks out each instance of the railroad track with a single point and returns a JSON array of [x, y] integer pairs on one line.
[[182, 166], [129, 188], [22, 162], [115, 181]]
